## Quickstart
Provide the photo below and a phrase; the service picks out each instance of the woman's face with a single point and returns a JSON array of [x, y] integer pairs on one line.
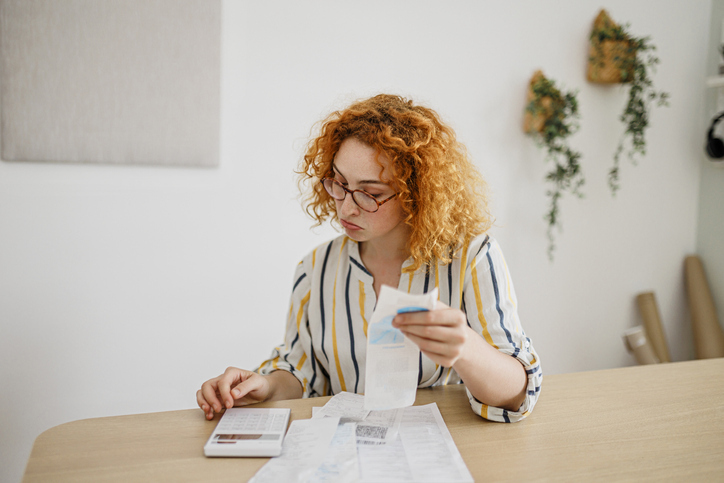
[[357, 166]]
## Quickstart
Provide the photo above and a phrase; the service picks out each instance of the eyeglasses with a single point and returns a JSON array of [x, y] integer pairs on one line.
[[363, 199]]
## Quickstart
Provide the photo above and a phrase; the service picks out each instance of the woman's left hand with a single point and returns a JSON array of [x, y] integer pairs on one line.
[[440, 334]]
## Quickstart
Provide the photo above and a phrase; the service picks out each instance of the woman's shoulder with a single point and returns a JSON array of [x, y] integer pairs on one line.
[[330, 248], [483, 246], [482, 242]]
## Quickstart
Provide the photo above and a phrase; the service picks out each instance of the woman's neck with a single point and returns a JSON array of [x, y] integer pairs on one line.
[[384, 259], [391, 249]]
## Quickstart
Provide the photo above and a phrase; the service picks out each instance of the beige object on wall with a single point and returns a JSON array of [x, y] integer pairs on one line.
[[118, 82], [652, 324], [708, 333], [605, 58], [637, 343], [536, 122]]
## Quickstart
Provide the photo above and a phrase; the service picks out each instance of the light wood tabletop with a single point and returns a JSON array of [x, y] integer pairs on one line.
[[662, 422]]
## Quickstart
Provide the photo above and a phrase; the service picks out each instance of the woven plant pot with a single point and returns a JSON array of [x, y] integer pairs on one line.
[[610, 61], [535, 121]]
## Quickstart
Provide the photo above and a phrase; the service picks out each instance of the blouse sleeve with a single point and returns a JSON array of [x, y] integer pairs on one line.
[[492, 311], [296, 355]]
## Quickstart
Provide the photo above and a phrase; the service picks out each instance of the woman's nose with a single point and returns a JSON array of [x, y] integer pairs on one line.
[[348, 206]]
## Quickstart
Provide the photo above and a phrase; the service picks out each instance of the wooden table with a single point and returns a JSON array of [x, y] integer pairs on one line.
[[658, 422]]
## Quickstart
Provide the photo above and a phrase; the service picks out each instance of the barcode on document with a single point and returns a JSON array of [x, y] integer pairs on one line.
[[376, 432]]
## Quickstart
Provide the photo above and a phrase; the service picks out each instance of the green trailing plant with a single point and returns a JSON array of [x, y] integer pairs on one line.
[[552, 116], [629, 60]]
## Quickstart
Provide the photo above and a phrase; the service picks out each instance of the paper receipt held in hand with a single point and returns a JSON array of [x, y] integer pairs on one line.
[[391, 368]]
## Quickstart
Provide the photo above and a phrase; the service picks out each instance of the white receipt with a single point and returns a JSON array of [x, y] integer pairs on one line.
[[392, 363], [341, 464], [346, 405], [424, 452], [305, 448], [429, 447], [326, 450], [373, 427]]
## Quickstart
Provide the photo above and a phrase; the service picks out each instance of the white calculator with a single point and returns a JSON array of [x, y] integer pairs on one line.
[[249, 432]]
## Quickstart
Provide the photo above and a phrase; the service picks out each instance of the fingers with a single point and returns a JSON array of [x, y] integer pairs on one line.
[[436, 333], [215, 394], [207, 397], [440, 334], [445, 316], [205, 406], [252, 390], [226, 381], [441, 353], [451, 347]]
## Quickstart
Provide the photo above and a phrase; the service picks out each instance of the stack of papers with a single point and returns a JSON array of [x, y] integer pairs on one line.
[[345, 443]]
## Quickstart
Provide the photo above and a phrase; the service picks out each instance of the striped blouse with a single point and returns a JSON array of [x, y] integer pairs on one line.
[[332, 300]]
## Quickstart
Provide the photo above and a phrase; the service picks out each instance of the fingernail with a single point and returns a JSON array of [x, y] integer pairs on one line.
[[235, 393]]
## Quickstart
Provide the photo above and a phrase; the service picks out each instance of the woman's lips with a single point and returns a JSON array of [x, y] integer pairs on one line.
[[349, 226]]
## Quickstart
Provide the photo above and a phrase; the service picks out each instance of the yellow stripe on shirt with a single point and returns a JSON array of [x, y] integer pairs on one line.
[[362, 306], [300, 312], [437, 278], [479, 304], [334, 323], [507, 279], [463, 261], [301, 362]]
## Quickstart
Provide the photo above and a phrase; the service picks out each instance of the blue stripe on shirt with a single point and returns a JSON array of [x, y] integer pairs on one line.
[[497, 305], [314, 366], [419, 371], [351, 331], [321, 296], [449, 283], [360, 266], [298, 280]]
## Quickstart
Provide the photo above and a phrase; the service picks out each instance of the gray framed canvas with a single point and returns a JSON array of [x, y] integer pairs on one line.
[[110, 81]]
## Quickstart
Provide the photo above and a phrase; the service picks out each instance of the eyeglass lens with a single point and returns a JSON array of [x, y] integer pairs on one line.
[[338, 192]]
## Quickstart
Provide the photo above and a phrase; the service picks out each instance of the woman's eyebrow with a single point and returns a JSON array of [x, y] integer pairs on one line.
[[364, 181]]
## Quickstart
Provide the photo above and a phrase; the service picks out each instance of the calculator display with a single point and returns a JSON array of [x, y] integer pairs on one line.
[[262, 437]]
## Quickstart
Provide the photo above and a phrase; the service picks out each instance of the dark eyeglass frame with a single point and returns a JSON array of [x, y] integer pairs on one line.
[[352, 192]]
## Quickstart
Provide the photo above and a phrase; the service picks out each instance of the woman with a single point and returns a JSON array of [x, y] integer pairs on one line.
[[414, 212]]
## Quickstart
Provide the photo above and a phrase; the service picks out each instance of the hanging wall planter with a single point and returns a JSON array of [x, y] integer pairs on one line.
[[617, 57], [550, 116]]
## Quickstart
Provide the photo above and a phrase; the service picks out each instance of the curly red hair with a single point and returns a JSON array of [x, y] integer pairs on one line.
[[441, 191]]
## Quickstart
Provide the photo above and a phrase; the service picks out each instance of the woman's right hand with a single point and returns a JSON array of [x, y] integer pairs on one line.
[[234, 386]]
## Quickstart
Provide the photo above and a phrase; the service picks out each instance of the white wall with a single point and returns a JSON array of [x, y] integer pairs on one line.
[[123, 288], [710, 233]]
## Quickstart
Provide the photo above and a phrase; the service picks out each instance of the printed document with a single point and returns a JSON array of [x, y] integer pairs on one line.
[[305, 448], [373, 427], [422, 448], [392, 359]]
